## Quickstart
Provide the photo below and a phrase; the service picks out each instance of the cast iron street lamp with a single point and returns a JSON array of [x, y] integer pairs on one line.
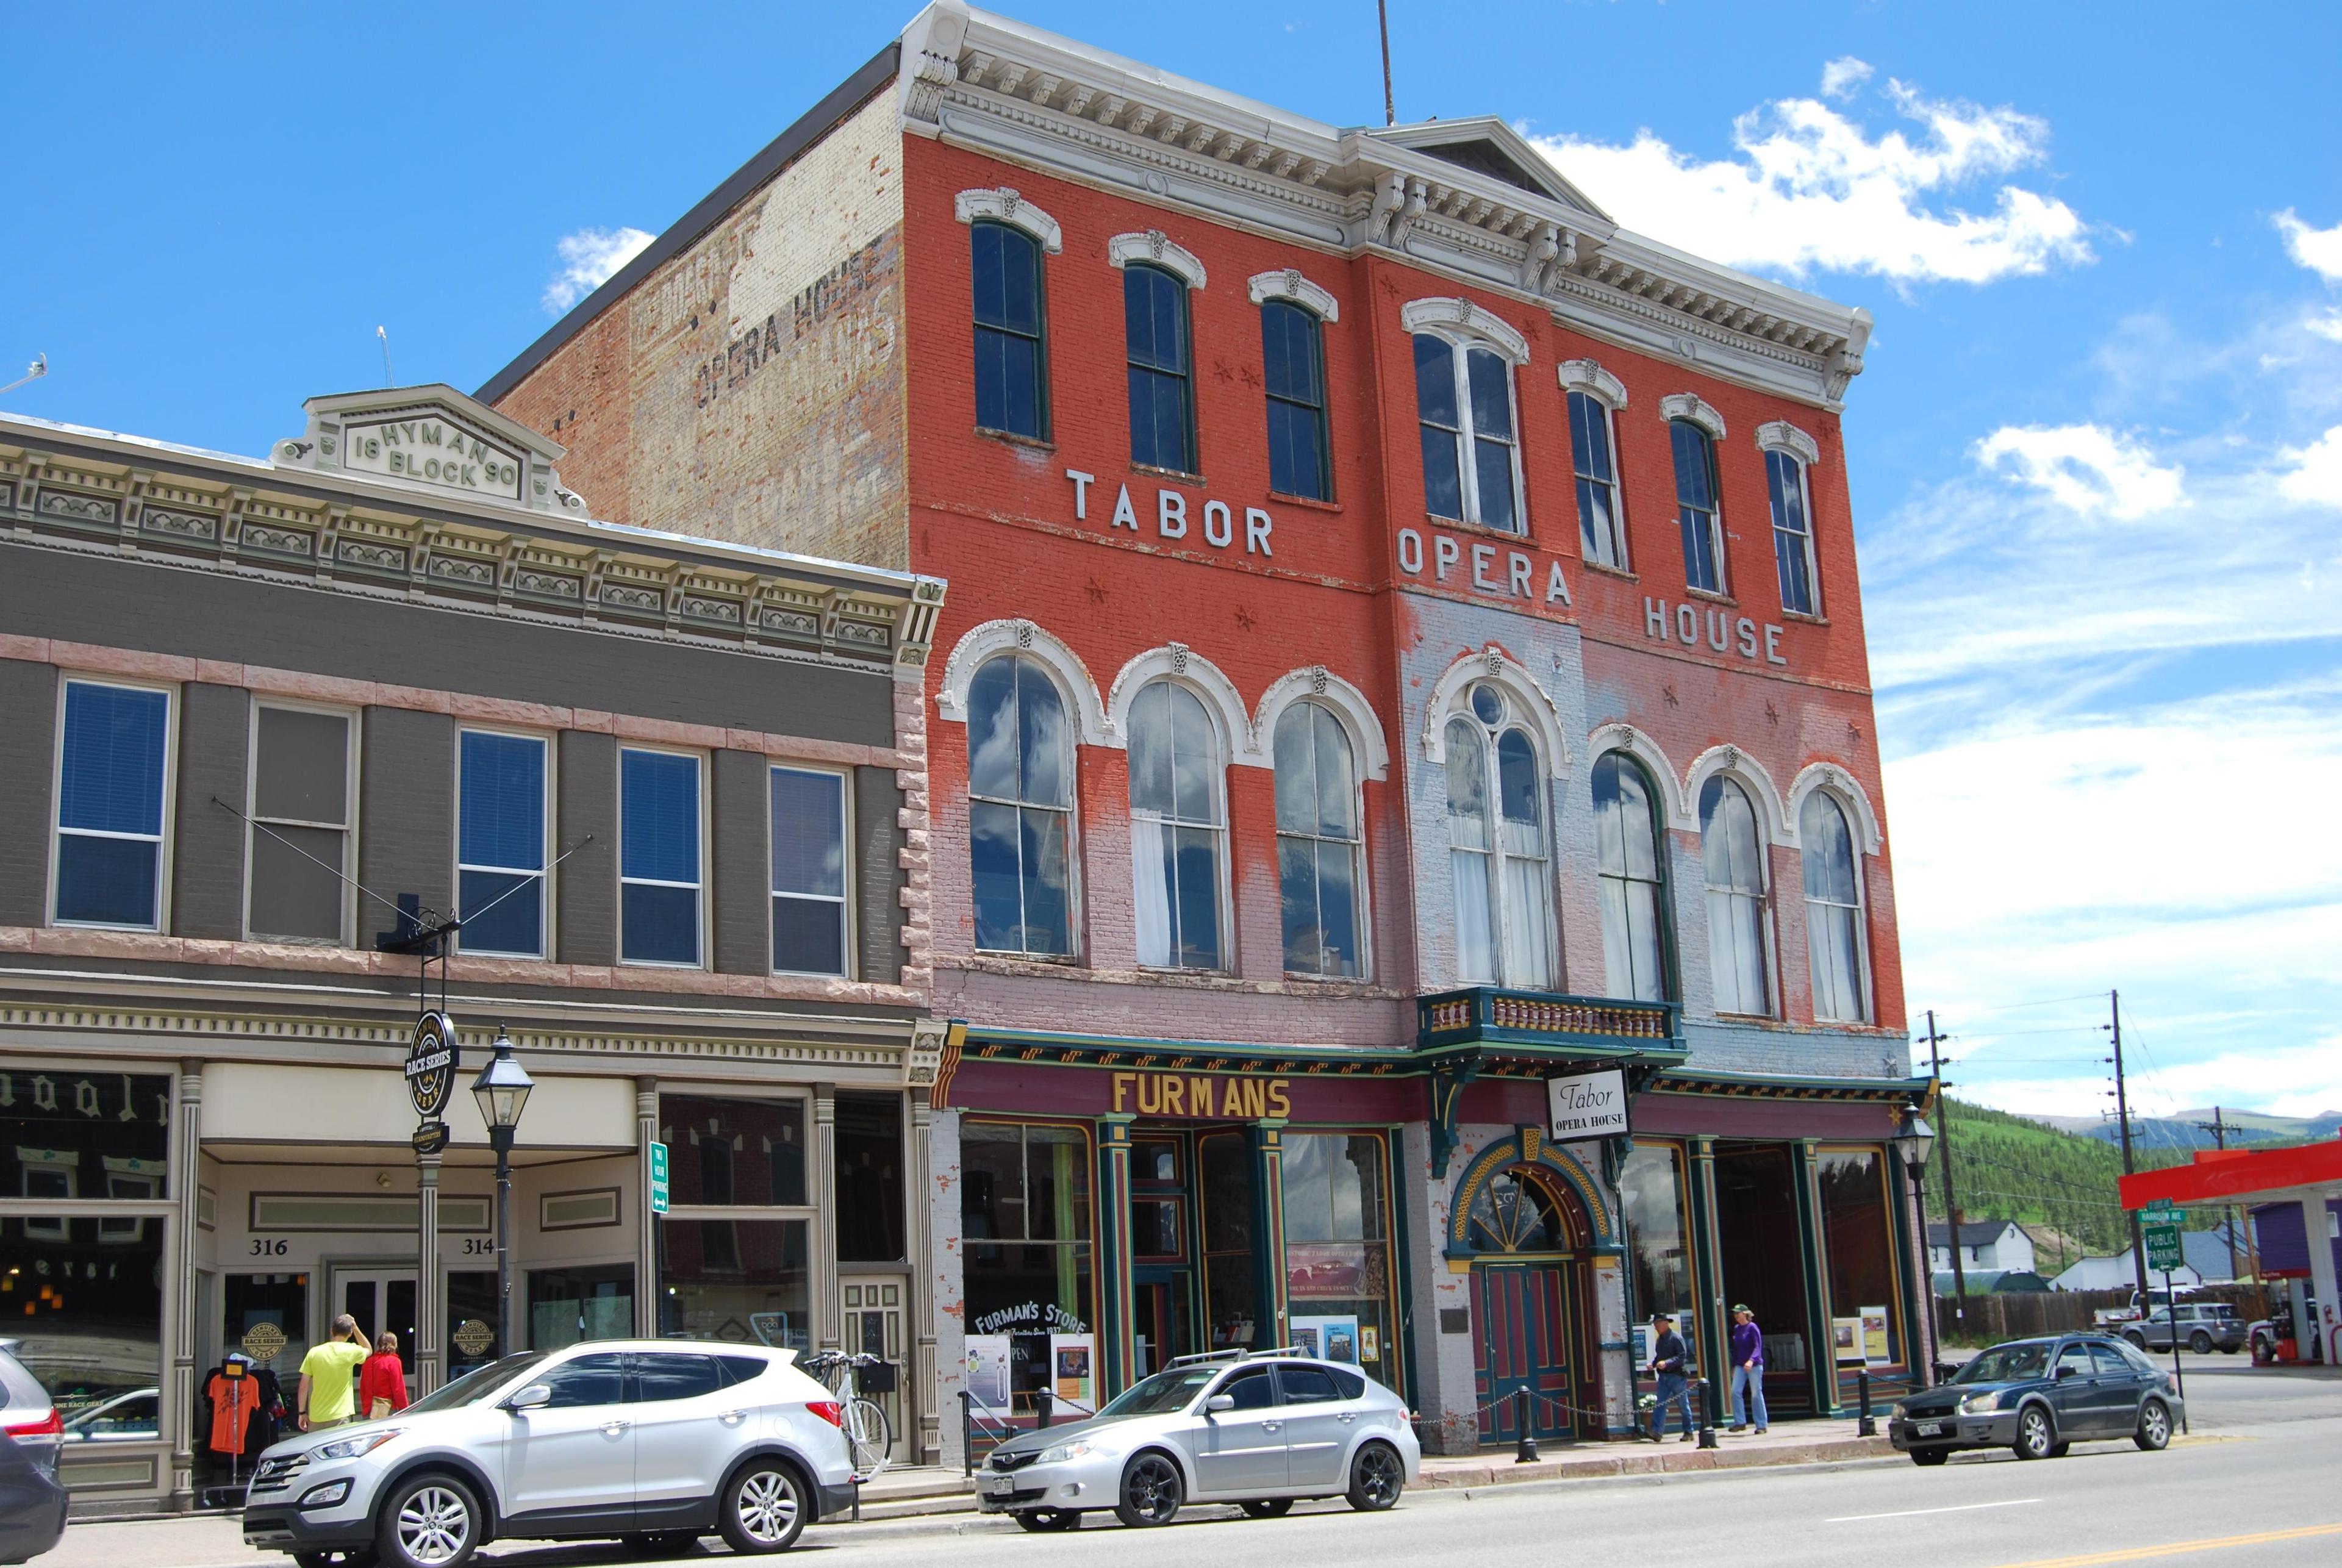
[[502, 1089], [1914, 1141]]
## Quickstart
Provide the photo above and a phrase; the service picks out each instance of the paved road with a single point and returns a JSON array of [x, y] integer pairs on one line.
[[2257, 1486]]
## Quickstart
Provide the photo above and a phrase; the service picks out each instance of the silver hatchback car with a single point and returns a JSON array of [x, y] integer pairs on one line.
[[1256, 1429], [655, 1442]]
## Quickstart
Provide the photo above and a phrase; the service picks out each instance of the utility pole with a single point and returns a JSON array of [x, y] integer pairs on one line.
[[1390, 104], [2218, 1127], [2122, 1112], [1943, 1153]]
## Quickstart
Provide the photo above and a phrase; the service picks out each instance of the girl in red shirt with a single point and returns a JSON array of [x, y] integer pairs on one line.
[[382, 1381]]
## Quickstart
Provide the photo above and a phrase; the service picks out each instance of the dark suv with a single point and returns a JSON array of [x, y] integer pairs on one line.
[[2039, 1397]]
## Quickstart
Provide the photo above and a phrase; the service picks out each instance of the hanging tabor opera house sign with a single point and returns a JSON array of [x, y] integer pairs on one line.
[[1587, 1105]]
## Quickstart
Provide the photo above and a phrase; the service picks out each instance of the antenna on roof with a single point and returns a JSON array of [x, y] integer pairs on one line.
[[384, 333], [33, 371], [1390, 106]]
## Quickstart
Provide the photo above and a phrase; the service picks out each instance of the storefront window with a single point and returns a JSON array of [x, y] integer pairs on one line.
[[567, 1306], [746, 1281], [1650, 1196], [870, 1179], [1338, 1265], [1859, 1242], [85, 1309], [1231, 1281], [726, 1153], [1024, 1217]]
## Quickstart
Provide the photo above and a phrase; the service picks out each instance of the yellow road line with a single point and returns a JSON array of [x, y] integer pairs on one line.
[[2175, 1548]]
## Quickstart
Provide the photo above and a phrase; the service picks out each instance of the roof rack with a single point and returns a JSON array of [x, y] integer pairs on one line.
[[1232, 1354]]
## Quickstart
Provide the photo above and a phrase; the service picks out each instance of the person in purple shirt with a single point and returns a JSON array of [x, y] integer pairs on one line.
[[1747, 1370]]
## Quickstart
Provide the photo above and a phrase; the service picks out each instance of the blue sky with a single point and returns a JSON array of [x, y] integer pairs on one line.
[[2096, 455]]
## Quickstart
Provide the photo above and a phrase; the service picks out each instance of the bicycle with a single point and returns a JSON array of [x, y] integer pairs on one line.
[[869, 1434]]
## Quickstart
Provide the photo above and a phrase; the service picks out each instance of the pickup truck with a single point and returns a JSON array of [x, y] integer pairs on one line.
[[2202, 1326], [2112, 1318]]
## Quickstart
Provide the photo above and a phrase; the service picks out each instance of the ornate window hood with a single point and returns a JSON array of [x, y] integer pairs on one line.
[[1468, 197]]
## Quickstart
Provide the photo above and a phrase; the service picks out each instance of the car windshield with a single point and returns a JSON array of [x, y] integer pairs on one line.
[[1160, 1394], [478, 1384], [2006, 1363]]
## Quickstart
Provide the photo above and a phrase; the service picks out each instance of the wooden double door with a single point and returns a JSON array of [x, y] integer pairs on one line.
[[1525, 1316]]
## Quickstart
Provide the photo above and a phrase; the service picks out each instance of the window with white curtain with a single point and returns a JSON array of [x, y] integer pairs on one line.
[[1628, 845], [1471, 453], [1497, 854], [1733, 859], [1177, 837], [1832, 910], [1318, 842]]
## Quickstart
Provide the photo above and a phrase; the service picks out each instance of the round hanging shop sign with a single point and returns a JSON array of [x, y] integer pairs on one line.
[[431, 1064]]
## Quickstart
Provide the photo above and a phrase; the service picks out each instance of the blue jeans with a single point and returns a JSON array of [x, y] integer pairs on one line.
[[1747, 1388], [1673, 1389]]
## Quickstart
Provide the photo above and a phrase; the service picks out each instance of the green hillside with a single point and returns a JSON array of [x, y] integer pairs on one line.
[[2059, 1185]]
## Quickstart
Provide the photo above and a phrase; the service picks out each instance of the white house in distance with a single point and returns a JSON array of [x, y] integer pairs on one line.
[[1984, 1244], [2207, 1258]]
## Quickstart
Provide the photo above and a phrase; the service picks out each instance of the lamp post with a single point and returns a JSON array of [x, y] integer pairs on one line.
[[502, 1089], [1914, 1141]]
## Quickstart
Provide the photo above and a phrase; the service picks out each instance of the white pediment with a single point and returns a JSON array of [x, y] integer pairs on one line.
[[432, 439], [1488, 146]]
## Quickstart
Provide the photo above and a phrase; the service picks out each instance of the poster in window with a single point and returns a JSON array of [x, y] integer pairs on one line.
[[1334, 1338], [1845, 1339], [1073, 1375], [1875, 1351], [987, 1373]]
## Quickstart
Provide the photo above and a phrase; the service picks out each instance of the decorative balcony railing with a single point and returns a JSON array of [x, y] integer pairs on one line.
[[1572, 1026]]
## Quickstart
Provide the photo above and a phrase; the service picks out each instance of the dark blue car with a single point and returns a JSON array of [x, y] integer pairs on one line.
[[2039, 1397]]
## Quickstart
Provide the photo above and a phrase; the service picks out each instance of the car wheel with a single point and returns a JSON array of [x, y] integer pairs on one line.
[[1152, 1491], [1929, 1455], [428, 1521], [2137, 1340], [2261, 1351], [1377, 1478], [666, 1544], [2058, 1450], [765, 1507], [2036, 1438], [2154, 1426], [2200, 1342], [1048, 1520], [1267, 1507]]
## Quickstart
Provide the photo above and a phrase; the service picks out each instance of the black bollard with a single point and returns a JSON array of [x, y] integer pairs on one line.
[[1525, 1453], [1706, 1417], [966, 1434], [1864, 1426], [1041, 1403]]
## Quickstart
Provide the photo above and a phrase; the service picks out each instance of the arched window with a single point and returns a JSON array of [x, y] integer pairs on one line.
[[1011, 369], [1162, 392], [1291, 341], [1793, 530], [1832, 910], [1633, 879], [1020, 786], [1503, 900], [1471, 455], [1696, 507], [1734, 862], [1516, 1212], [1318, 842], [1175, 832]]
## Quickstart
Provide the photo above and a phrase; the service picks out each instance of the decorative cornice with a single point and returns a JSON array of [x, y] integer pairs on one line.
[[1290, 285], [1588, 376], [1154, 248], [1693, 409], [1454, 317], [1004, 205]]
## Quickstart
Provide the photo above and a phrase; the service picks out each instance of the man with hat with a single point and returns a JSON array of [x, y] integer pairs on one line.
[[1747, 1370], [1670, 1359]]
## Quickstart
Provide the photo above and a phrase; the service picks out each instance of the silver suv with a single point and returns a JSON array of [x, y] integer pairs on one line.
[[1256, 1429], [655, 1442]]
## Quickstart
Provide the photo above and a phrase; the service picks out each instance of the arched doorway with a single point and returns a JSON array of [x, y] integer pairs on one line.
[[1528, 1237]]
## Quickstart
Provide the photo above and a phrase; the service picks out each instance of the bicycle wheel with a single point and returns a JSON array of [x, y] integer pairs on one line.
[[867, 1435]]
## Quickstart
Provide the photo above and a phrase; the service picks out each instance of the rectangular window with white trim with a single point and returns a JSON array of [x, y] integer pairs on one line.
[[1793, 531], [304, 801], [1601, 526], [500, 842], [809, 903], [1471, 454], [113, 764], [659, 858]]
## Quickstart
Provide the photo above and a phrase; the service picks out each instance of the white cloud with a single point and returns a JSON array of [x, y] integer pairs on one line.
[[2319, 250], [2315, 475], [1809, 188], [1843, 76], [590, 258], [2085, 467]]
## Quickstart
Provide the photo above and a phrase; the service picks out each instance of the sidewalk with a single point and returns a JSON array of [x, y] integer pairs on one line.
[[1788, 1442]]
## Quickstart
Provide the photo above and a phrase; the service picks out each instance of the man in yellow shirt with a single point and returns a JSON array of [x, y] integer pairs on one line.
[[328, 1376]]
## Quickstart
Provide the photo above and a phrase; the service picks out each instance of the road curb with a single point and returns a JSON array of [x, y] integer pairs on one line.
[[1607, 1466]]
